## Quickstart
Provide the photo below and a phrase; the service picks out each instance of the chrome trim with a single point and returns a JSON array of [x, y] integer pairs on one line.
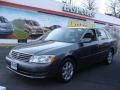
[[21, 52], [32, 77], [20, 56]]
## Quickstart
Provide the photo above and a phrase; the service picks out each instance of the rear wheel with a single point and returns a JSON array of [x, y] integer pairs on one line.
[[66, 70], [109, 58]]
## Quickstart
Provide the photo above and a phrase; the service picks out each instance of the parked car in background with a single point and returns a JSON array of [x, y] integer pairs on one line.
[[61, 52], [33, 27], [5, 26], [54, 27], [50, 28]]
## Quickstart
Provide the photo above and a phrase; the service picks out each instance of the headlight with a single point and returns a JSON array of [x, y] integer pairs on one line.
[[42, 59], [10, 53]]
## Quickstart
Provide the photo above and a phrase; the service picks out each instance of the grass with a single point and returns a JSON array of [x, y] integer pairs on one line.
[[20, 34], [7, 45]]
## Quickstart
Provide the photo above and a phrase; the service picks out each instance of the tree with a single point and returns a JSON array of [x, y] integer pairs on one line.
[[68, 1], [90, 5], [114, 8]]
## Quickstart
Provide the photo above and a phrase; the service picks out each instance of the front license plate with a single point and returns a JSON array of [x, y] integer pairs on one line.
[[14, 65]]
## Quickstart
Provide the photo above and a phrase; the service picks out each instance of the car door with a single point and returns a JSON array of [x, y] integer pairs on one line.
[[104, 43], [89, 48]]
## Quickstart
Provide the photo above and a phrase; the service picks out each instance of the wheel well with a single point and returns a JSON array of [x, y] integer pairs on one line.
[[112, 49], [71, 57]]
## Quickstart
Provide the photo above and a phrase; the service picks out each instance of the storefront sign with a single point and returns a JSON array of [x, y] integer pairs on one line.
[[76, 10], [79, 24]]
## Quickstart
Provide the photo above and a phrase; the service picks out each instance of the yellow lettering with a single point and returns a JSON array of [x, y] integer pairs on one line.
[[78, 24]]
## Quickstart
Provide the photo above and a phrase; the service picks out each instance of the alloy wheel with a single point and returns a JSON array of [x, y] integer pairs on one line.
[[67, 70], [110, 57]]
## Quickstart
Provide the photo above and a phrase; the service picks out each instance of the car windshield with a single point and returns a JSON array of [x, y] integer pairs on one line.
[[3, 20], [70, 35]]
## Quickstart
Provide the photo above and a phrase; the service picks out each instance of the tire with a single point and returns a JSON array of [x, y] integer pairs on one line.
[[66, 70], [109, 58]]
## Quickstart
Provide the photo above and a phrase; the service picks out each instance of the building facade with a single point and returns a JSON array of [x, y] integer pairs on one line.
[[20, 19]]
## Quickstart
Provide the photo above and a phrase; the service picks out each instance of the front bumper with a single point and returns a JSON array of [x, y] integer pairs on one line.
[[31, 70]]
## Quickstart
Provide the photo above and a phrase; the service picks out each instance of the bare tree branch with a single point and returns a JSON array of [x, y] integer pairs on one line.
[[114, 8], [67, 1], [90, 5]]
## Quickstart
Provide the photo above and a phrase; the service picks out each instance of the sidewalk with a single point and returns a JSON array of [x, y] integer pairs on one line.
[[10, 41], [2, 88]]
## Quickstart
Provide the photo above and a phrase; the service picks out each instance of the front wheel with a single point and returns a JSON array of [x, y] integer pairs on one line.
[[67, 70], [109, 58]]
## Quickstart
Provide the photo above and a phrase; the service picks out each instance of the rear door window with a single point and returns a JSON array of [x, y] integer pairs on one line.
[[101, 34]]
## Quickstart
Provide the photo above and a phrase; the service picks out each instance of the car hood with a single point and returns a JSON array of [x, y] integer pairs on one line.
[[42, 47]]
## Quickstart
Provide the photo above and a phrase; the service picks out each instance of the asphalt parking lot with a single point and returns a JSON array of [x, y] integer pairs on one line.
[[96, 77]]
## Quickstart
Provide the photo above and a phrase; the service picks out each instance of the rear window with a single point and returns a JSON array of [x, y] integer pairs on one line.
[[102, 35], [35, 23]]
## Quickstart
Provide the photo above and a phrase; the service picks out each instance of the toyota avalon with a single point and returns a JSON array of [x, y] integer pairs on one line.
[[61, 52]]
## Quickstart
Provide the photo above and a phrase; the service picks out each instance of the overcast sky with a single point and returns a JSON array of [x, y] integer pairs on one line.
[[100, 3]]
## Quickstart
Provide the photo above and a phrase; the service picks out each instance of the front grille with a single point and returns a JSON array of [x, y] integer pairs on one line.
[[20, 56]]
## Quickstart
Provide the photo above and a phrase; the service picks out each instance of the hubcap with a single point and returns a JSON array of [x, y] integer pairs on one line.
[[110, 57], [67, 71]]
